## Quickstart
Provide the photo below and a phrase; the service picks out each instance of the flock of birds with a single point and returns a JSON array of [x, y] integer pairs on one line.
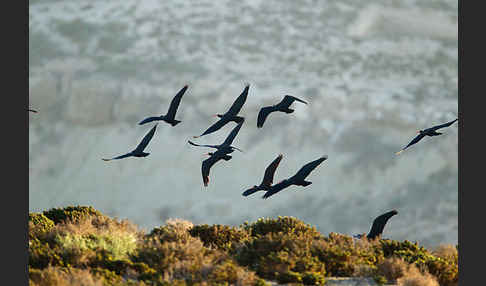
[[224, 149]]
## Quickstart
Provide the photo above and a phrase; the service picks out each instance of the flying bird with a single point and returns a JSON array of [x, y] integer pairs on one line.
[[297, 179], [378, 225], [170, 116], [426, 132], [230, 115], [227, 142], [282, 106], [31, 110], [220, 154], [138, 152], [267, 178]]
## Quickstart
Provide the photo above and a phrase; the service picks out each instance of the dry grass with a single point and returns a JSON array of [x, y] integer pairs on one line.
[[393, 268], [414, 277], [446, 251], [55, 276]]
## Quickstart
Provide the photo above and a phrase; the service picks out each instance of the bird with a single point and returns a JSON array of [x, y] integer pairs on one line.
[[138, 151], [220, 154], [170, 116], [378, 225], [32, 110], [230, 115], [426, 132], [298, 179], [227, 142], [267, 178], [282, 106]]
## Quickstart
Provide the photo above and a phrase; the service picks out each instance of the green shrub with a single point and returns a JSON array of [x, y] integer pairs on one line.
[[219, 236], [71, 213], [39, 224], [282, 224]]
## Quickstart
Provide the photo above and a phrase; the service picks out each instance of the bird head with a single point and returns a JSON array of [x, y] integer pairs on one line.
[[217, 115]]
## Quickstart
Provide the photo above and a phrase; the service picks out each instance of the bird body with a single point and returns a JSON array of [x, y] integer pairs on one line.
[[230, 115], [227, 142], [267, 178], [170, 116], [282, 106], [221, 153], [298, 179], [138, 151], [378, 225], [432, 131]]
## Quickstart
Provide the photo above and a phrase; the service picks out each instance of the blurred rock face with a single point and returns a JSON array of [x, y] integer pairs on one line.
[[371, 77]]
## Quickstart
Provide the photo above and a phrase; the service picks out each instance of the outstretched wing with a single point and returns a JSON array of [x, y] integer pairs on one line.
[[379, 224], [146, 140], [263, 113], [270, 171], [174, 104], [415, 140], [309, 167], [206, 166], [277, 188], [215, 127], [238, 104], [288, 100], [194, 144], [233, 134], [443, 125], [119, 157], [149, 119], [32, 110]]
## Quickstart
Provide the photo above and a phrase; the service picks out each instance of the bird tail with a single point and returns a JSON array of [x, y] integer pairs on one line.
[[105, 159], [175, 122], [306, 183], [250, 191]]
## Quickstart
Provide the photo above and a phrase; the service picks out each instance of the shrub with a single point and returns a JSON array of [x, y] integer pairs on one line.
[[71, 213], [219, 236], [39, 224], [282, 224]]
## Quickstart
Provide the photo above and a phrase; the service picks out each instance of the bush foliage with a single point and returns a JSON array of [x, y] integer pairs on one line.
[[79, 245]]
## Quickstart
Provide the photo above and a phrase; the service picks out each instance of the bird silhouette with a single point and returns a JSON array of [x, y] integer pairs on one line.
[[282, 106], [298, 179], [220, 154], [230, 115], [138, 151], [426, 132], [32, 110], [170, 116], [227, 142], [267, 178], [378, 225]]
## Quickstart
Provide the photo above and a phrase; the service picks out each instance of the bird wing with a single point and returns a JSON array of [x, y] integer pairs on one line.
[[146, 140], [263, 113], [443, 125], [415, 140], [194, 144], [32, 110], [149, 119], [277, 188], [309, 167], [379, 224], [174, 104], [238, 103], [270, 171], [119, 157], [206, 166], [215, 127], [288, 100], [232, 135]]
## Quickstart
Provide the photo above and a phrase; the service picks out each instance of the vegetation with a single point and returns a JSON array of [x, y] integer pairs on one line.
[[79, 245]]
